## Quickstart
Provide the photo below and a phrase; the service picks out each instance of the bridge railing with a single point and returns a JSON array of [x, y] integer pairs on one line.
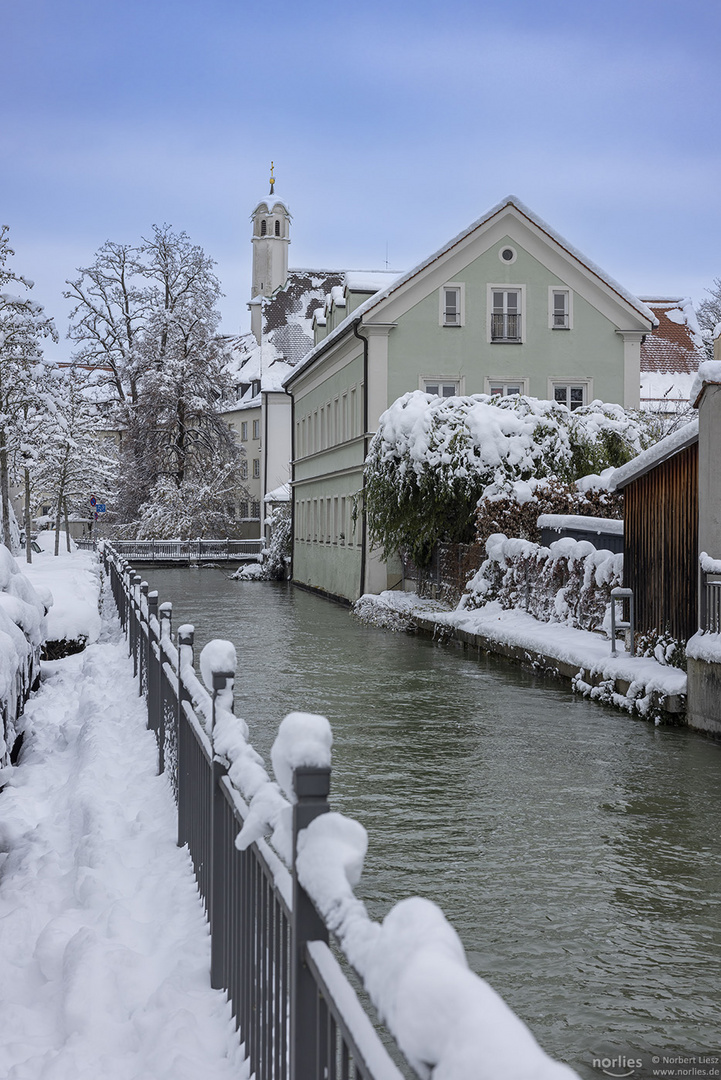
[[190, 551], [273, 905]]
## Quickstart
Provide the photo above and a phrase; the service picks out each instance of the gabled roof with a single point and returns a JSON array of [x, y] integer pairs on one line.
[[676, 342], [510, 204], [288, 313]]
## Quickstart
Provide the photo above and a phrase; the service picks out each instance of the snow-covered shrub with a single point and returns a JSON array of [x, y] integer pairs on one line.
[[22, 619], [568, 582], [195, 509], [662, 646], [513, 507], [432, 459]]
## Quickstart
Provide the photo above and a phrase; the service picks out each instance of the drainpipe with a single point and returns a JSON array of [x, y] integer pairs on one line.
[[365, 454], [292, 482]]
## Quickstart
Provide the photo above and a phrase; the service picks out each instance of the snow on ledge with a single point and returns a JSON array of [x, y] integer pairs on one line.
[[709, 371], [610, 526], [704, 646]]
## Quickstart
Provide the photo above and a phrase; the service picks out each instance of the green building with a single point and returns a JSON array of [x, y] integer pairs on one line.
[[506, 307]]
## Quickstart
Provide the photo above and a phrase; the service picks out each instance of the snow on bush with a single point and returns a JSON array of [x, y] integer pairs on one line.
[[432, 458], [513, 507], [568, 582], [22, 628]]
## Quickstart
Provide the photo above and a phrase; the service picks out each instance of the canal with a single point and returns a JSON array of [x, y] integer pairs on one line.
[[574, 849]]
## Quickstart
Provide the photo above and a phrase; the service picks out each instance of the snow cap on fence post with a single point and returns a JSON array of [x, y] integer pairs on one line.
[[186, 638], [304, 740], [153, 604], [218, 662], [165, 612]]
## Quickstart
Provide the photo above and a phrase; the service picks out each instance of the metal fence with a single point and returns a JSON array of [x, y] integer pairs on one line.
[[710, 602], [298, 1016], [182, 551]]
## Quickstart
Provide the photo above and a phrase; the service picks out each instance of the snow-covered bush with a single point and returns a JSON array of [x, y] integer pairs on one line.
[[662, 646], [513, 508], [195, 509], [433, 458], [22, 616], [568, 582]]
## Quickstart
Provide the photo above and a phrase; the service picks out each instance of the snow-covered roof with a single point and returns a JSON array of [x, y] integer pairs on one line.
[[251, 363], [520, 207], [288, 313], [661, 451], [370, 280], [670, 355], [271, 201], [611, 526], [279, 494]]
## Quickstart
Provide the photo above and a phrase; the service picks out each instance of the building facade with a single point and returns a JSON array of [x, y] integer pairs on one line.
[[506, 307]]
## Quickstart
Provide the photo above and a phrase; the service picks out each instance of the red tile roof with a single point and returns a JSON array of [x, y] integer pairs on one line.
[[672, 347]]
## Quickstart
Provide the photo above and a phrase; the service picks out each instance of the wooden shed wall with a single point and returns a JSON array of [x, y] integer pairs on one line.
[[661, 545]]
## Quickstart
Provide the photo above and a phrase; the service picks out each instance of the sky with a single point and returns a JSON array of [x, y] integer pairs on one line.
[[393, 124]]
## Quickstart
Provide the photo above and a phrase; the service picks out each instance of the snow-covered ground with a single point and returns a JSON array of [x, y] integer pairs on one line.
[[104, 949], [587, 652], [73, 579]]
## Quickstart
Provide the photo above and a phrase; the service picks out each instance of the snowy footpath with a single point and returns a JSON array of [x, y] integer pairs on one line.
[[104, 948]]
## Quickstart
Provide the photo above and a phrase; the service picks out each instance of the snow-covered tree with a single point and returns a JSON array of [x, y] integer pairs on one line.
[[148, 317], [709, 316], [76, 461], [23, 327]]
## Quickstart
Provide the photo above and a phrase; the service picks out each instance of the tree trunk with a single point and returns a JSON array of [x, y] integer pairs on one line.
[[67, 526], [28, 520], [5, 492], [59, 508]]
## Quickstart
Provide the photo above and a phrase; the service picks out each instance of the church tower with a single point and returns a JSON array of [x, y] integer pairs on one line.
[[271, 236]]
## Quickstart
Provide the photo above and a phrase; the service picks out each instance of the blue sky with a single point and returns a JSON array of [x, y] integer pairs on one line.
[[392, 125]]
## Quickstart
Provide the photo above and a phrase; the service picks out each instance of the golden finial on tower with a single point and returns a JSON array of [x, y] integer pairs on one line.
[[272, 178]]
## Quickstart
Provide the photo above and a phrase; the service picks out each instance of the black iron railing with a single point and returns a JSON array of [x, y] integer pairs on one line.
[[710, 602], [298, 1016]]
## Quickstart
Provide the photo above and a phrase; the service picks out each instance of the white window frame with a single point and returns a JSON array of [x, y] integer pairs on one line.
[[256, 429], [552, 290], [507, 247], [587, 385], [244, 431], [506, 288], [460, 288], [256, 468], [459, 380], [506, 382]]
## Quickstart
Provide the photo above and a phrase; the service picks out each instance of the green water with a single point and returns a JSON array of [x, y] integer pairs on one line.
[[574, 849]]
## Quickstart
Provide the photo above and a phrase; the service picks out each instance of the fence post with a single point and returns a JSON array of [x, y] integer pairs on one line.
[[702, 599], [186, 657], [153, 664], [134, 619], [222, 686], [165, 611], [312, 786], [142, 640]]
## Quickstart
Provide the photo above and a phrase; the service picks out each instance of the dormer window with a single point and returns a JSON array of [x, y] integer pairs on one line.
[[263, 227], [277, 228]]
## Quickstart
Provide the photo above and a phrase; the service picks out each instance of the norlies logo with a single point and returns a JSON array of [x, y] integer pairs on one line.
[[617, 1066]]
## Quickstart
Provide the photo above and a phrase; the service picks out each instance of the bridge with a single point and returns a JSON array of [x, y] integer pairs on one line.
[[183, 552]]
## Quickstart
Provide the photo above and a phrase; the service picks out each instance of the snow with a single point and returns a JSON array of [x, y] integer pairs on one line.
[[654, 455], [668, 386], [73, 581], [709, 371], [370, 280], [448, 1022], [709, 565], [217, 657], [704, 646], [576, 521], [104, 949], [279, 494], [303, 739]]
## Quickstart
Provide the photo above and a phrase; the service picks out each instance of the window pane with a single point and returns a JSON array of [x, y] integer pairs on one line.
[[512, 303], [449, 390], [432, 388], [497, 391], [559, 302], [560, 394], [576, 396], [498, 302], [512, 389]]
